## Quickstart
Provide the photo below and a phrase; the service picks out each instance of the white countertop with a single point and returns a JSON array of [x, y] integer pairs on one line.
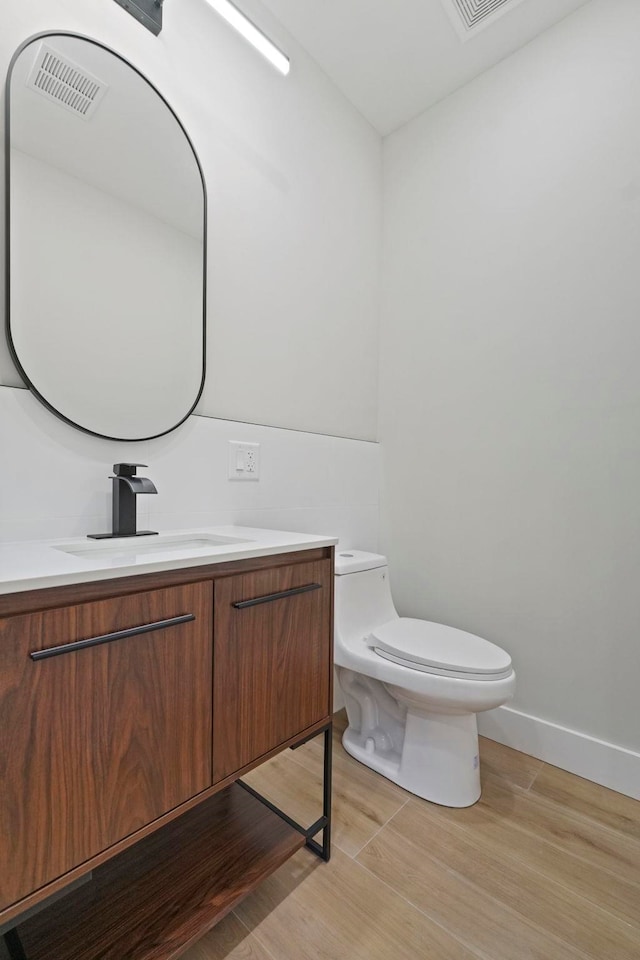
[[35, 564]]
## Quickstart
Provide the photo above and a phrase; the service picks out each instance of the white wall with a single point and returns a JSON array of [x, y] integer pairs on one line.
[[510, 387], [293, 176]]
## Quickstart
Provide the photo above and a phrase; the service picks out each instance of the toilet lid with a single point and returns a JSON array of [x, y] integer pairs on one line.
[[435, 648]]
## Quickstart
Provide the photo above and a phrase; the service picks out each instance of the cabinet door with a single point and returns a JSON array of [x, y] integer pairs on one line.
[[272, 660], [98, 741]]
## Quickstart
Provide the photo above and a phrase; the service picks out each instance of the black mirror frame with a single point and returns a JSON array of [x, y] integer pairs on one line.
[[7, 178]]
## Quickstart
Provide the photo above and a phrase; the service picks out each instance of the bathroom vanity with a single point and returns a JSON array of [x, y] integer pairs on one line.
[[135, 690]]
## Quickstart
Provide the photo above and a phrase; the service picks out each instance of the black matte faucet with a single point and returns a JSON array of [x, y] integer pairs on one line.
[[126, 487]]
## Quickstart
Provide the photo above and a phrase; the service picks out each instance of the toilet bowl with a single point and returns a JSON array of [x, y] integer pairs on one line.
[[412, 688]]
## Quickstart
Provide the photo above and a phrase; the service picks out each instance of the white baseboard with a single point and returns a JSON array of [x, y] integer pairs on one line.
[[605, 763]]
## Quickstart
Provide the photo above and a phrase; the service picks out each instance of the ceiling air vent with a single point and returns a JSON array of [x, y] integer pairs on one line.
[[63, 81], [475, 14]]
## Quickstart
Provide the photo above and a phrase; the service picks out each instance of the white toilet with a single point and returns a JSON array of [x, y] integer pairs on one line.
[[412, 687]]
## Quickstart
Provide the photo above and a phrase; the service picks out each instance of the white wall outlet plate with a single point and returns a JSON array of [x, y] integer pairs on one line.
[[244, 461]]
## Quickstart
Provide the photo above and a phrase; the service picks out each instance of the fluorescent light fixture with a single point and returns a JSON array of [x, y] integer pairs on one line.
[[253, 34]]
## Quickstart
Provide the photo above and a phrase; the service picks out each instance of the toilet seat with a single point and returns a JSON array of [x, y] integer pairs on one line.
[[438, 649]]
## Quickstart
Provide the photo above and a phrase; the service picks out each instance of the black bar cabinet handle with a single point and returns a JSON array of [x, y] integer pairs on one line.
[[110, 637], [241, 604]]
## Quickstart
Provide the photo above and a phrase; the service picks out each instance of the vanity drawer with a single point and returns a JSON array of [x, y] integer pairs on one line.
[[105, 725]]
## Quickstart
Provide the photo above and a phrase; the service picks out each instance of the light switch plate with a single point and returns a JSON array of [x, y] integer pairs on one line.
[[244, 461]]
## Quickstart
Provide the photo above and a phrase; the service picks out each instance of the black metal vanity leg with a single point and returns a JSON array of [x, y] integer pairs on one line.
[[323, 850], [14, 946]]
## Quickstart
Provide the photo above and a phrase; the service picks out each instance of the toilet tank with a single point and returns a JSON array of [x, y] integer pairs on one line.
[[362, 595]]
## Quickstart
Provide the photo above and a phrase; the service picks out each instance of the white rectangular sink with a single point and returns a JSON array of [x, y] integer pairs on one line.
[[197, 544]]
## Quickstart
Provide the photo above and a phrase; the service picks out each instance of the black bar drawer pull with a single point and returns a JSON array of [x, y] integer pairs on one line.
[[110, 637], [241, 604]]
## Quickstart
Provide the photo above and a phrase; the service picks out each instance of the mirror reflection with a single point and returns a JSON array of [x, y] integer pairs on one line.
[[106, 209]]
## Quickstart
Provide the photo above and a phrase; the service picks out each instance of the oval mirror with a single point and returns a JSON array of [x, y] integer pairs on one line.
[[106, 212]]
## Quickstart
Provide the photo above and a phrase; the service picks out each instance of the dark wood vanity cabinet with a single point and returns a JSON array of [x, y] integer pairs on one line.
[[161, 691]]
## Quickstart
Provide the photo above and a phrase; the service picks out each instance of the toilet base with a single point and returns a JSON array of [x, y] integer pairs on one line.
[[439, 759]]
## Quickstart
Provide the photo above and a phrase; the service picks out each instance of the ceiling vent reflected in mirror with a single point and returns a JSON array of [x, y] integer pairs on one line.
[[470, 16], [64, 82]]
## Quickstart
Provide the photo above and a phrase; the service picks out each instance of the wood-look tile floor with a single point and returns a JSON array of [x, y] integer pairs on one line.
[[545, 866]]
